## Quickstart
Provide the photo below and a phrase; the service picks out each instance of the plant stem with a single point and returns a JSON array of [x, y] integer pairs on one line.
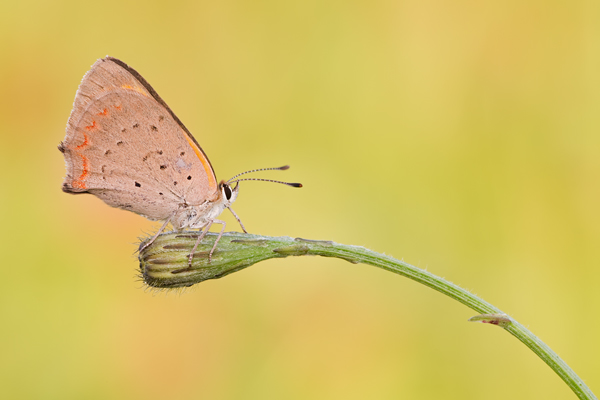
[[164, 264]]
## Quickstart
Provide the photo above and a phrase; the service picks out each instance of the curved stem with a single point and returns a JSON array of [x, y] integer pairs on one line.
[[164, 264]]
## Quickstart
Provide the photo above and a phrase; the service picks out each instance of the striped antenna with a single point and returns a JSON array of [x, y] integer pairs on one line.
[[260, 169]]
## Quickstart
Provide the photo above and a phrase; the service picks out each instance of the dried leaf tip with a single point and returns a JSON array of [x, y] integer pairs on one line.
[[494, 319]]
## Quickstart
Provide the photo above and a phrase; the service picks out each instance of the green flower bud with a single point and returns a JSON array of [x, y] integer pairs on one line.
[[164, 263]]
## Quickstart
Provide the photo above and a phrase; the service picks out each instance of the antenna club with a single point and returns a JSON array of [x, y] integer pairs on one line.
[[264, 180], [284, 167]]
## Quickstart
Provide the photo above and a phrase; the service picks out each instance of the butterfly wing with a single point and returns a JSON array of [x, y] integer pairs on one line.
[[124, 145]]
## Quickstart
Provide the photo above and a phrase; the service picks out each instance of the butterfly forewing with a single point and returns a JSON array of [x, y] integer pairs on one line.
[[124, 145]]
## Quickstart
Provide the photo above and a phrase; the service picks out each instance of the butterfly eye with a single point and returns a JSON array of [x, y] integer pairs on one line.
[[227, 191]]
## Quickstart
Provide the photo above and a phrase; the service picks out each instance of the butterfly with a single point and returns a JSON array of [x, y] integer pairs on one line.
[[124, 145]]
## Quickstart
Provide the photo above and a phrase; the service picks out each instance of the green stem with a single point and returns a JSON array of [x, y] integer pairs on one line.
[[164, 264]]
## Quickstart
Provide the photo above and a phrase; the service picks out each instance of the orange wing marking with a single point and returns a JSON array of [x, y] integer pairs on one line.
[[212, 183], [136, 88], [79, 182], [85, 142], [105, 112], [92, 126]]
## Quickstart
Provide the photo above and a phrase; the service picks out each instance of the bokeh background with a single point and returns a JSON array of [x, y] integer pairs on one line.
[[462, 137]]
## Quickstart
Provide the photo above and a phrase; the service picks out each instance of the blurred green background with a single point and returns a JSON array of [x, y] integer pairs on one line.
[[462, 137]]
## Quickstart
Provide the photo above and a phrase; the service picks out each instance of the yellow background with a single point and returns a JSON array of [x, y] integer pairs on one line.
[[462, 137]]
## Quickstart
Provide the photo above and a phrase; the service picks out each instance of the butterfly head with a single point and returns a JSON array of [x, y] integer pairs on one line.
[[228, 193]]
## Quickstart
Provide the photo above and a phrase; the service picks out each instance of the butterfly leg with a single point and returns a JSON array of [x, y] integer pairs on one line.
[[162, 228], [217, 221], [238, 219]]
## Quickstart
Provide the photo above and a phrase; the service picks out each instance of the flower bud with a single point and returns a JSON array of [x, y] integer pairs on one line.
[[164, 263]]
